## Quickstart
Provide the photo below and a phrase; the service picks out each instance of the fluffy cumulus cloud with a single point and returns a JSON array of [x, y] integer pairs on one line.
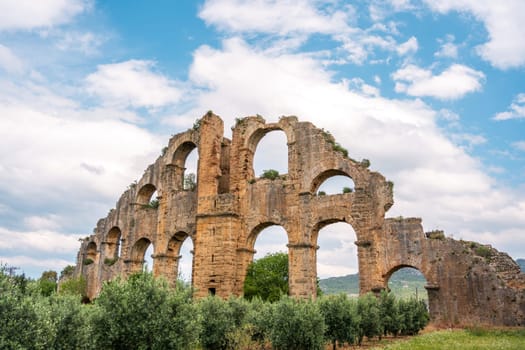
[[271, 16], [132, 83], [453, 83], [28, 14], [504, 48], [515, 111], [61, 165], [409, 46]]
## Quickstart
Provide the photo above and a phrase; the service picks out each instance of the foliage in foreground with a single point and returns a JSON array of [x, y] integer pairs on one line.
[[145, 313]]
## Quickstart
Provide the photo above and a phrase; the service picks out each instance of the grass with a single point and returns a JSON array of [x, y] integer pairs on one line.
[[468, 339]]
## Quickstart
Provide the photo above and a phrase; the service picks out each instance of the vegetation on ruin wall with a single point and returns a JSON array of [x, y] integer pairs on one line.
[[145, 313]]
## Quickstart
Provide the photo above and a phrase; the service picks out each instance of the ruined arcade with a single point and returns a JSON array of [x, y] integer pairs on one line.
[[468, 283]]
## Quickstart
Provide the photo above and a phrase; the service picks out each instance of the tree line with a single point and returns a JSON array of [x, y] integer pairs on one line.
[[143, 312]]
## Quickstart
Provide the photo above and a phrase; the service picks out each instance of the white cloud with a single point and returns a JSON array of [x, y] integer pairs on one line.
[[132, 83], [504, 23], [272, 16], [409, 46], [453, 83], [520, 145], [36, 242], [468, 140], [9, 61], [87, 43], [49, 222], [299, 19], [516, 109], [35, 265], [434, 178], [29, 14], [62, 151], [448, 48]]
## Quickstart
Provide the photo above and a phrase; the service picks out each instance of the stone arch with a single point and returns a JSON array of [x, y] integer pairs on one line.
[[257, 229], [179, 160], [138, 251], [145, 193], [398, 267], [255, 137], [91, 251], [174, 250], [325, 175], [319, 226], [271, 152], [113, 243], [246, 254], [431, 294]]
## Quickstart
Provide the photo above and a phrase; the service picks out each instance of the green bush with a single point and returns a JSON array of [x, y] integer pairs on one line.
[[110, 261], [88, 261], [296, 325], [259, 319], [143, 313], [347, 190], [270, 174], [413, 316], [369, 321], [267, 278], [340, 318], [389, 314], [337, 147], [218, 322]]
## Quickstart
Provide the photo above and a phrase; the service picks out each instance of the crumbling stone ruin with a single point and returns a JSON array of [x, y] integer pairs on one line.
[[468, 283]]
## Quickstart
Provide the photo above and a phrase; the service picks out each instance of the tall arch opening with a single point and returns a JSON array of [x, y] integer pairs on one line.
[[147, 195], [186, 158], [267, 275], [271, 153], [332, 182], [337, 258], [407, 282], [141, 255], [91, 252], [113, 245], [180, 247]]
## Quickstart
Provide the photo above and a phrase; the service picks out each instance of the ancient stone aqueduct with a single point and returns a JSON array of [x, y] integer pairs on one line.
[[468, 283]]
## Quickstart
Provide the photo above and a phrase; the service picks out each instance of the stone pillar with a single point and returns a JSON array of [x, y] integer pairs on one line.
[[167, 266], [244, 259], [215, 255], [302, 270]]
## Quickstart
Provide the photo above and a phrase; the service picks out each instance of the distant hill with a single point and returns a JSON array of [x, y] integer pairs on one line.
[[521, 263], [405, 283]]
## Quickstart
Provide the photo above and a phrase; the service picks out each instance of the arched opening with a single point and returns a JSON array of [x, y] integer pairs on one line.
[[91, 253], [407, 282], [186, 158], [267, 275], [332, 182], [180, 247], [113, 246], [147, 196], [141, 255], [337, 258], [271, 153]]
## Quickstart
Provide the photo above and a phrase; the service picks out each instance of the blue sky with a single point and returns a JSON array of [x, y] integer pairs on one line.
[[432, 92]]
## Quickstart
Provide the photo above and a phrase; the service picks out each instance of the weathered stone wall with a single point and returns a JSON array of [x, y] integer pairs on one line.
[[230, 206]]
